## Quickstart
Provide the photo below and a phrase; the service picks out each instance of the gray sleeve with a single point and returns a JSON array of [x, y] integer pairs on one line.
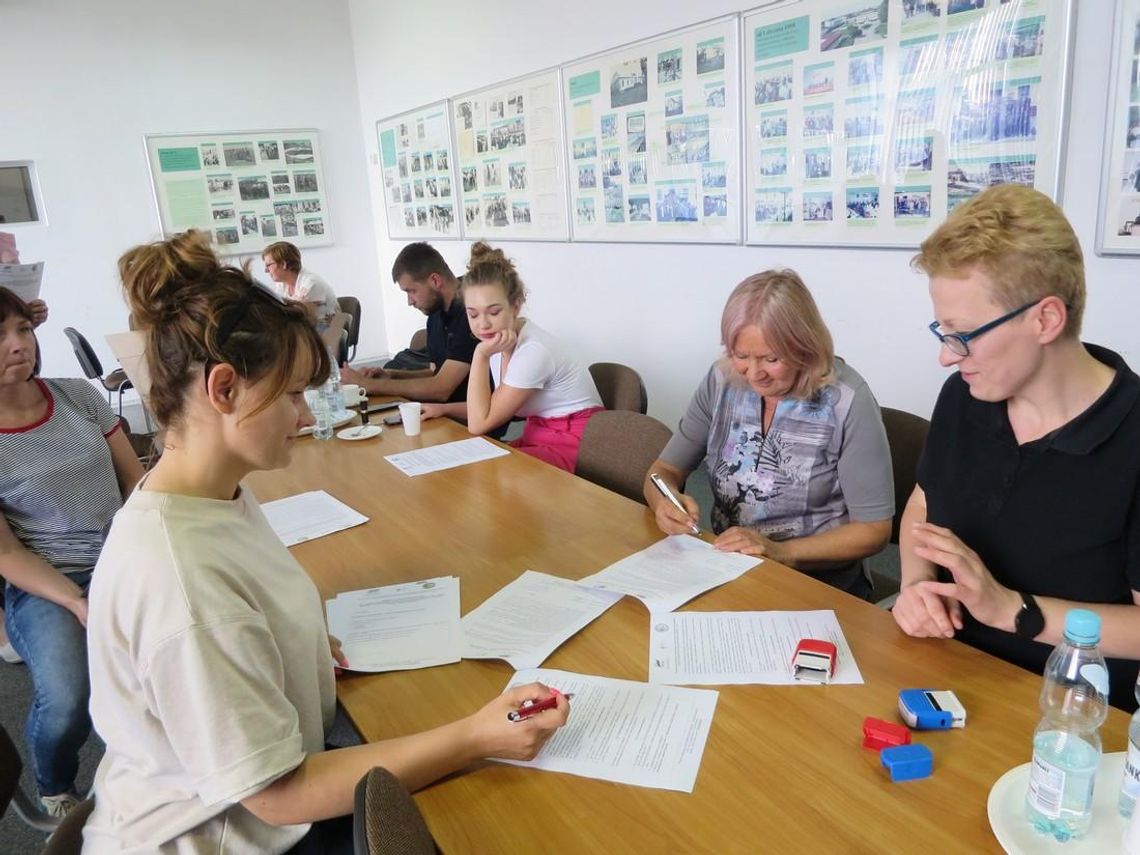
[[687, 447], [865, 474]]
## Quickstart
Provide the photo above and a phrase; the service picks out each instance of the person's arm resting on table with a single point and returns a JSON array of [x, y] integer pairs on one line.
[[426, 387], [487, 410]]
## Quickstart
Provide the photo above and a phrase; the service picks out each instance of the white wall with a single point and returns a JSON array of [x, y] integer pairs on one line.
[[85, 81], [655, 307]]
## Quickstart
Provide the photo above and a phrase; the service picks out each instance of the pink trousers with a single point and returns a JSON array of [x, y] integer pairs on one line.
[[555, 440]]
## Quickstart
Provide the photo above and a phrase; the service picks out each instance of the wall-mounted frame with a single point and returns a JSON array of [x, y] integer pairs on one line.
[[419, 191], [869, 120], [20, 201], [1118, 225], [247, 189], [511, 160], [653, 138]]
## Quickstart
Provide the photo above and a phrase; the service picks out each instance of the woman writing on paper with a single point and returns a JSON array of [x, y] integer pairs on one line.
[[792, 438], [534, 375], [212, 679]]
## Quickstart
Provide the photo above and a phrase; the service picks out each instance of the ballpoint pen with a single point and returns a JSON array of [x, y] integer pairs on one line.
[[663, 488], [530, 708]]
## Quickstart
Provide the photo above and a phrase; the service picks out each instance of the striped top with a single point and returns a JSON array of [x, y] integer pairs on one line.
[[58, 488]]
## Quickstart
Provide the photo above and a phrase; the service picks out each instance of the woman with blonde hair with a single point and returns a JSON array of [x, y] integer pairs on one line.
[[534, 375], [792, 439], [211, 670]]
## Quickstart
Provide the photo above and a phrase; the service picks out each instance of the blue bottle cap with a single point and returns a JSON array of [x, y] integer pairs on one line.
[[1082, 626]]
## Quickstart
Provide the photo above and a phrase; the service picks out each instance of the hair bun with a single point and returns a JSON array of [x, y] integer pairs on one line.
[[161, 277]]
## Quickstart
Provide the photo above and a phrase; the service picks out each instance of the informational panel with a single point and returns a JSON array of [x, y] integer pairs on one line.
[[246, 188], [1118, 231], [512, 164], [653, 137], [869, 120], [417, 165]]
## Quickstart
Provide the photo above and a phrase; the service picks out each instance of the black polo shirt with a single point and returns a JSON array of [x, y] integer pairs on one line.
[[449, 337], [1058, 517]]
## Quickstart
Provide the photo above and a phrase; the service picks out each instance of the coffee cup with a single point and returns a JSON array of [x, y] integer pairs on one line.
[[353, 395], [410, 415]]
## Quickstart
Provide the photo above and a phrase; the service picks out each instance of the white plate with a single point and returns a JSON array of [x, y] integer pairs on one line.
[[362, 432], [341, 419], [1006, 808]]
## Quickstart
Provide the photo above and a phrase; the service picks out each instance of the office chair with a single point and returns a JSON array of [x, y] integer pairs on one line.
[[618, 447], [92, 368], [351, 306], [620, 386], [385, 819], [12, 793], [906, 435]]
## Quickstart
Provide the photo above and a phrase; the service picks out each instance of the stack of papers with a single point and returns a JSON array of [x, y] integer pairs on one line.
[[23, 280], [445, 456], [398, 627], [309, 515]]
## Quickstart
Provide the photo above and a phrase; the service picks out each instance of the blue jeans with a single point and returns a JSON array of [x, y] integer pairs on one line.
[[54, 646]]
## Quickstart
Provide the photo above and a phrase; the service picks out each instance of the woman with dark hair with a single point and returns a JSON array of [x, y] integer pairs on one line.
[[65, 467]]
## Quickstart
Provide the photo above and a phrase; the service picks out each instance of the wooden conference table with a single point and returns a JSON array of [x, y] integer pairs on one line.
[[783, 769]]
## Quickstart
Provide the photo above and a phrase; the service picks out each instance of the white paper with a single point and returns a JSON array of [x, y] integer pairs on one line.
[[309, 515], [23, 280], [671, 572], [631, 733], [398, 627], [445, 456], [741, 647], [530, 618]]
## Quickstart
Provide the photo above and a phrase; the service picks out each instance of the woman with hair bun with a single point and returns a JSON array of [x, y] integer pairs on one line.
[[533, 374], [211, 670]]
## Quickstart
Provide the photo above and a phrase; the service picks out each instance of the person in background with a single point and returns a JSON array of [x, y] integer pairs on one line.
[[533, 374], [65, 466], [211, 669], [283, 266], [1028, 495], [792, 439]]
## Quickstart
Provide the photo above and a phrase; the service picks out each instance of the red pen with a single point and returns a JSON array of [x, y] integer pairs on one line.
[[530, 708]]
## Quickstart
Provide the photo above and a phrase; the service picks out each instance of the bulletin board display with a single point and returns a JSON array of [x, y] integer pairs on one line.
[[867, 121], [511, 159], [1118, 229], [653, 138], [417, 170], [246, 189]]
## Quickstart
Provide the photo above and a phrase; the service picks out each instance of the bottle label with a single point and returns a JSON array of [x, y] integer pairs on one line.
[[1046, 784], [1132, 771]]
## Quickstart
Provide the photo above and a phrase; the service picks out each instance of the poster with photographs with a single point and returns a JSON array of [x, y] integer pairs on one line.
[[509, 151], [653, 138], [867, 121], [1118, 229], [245, 189], [417, 171]]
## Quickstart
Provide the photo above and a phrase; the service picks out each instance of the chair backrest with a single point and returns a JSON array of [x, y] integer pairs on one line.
[[88, 361], [68, 838], [385, 819], [419, 340], [618, 447], [351, 306], [620, 387], [906, 435], [12, 794]]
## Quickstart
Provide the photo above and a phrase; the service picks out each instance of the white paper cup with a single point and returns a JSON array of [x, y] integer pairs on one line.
[[352, 395], [410, 416]]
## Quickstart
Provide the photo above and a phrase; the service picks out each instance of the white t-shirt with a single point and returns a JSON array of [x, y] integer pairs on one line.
[[310, 288], [210, 672], [540, 362]]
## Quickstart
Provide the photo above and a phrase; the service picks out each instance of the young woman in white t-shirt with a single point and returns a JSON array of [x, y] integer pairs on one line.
[[212, 679], [534, 376]]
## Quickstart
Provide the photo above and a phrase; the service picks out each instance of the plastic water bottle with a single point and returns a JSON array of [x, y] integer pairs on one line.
[[323, 428], [1066, 744], [1130, 787], [331, 389]]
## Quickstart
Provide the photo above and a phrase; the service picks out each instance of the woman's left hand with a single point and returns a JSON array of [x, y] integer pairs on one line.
[[749, 542], [337, 654], [432, 411], [502, 340], [39, 311]]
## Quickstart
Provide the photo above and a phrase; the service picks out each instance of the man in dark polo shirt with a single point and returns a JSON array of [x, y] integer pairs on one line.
[[424, 277]]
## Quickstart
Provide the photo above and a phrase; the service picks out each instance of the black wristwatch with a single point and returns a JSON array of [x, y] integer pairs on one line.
[[1029, 622]]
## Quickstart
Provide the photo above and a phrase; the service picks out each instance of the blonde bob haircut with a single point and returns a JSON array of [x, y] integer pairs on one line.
[[778, 302], [1021, 241]]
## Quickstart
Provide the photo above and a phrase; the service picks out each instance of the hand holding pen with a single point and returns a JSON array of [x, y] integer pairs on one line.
[[494, 734], [674, 516], [529, 707]]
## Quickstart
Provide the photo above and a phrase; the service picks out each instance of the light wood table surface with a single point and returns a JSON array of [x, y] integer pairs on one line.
[[783, 769]]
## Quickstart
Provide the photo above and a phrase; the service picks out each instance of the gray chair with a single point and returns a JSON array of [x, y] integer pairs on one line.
[[116, 381], [620, 386], [11, 793], [618, 447], [906, 435], [385, 819], [419, 340], [68, 838], [351, 307]]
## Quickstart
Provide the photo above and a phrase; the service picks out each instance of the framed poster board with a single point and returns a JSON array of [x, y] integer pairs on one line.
[[511, 160], [245, 188], [869, 120], [1118, 227], [417, 168], [653, 138]]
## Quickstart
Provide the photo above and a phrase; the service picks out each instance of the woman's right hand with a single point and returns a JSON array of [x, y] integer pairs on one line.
[[496, 736], [671, 521]]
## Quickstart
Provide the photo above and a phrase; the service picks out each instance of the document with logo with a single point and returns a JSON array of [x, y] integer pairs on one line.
[[309, 515], [23, 280], [446, 456]]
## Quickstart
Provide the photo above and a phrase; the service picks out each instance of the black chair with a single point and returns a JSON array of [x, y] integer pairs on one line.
[[92, 368], [906, 435], [385, 819], [351, 306], [618, 447], [620, 387], [11, 793]]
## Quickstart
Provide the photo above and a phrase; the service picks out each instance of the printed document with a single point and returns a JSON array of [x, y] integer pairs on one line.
[[530, 618], [671, 572], [398, 627], [741, 647], [23, 280], [631, 733], [309, 515], [445, 456]]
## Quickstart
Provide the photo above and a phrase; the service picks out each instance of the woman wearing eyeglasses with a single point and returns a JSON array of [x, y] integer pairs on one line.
[[1028, 496]]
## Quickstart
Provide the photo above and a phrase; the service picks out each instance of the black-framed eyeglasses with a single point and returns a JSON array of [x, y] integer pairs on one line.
[[237, 314], [959, 343]]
